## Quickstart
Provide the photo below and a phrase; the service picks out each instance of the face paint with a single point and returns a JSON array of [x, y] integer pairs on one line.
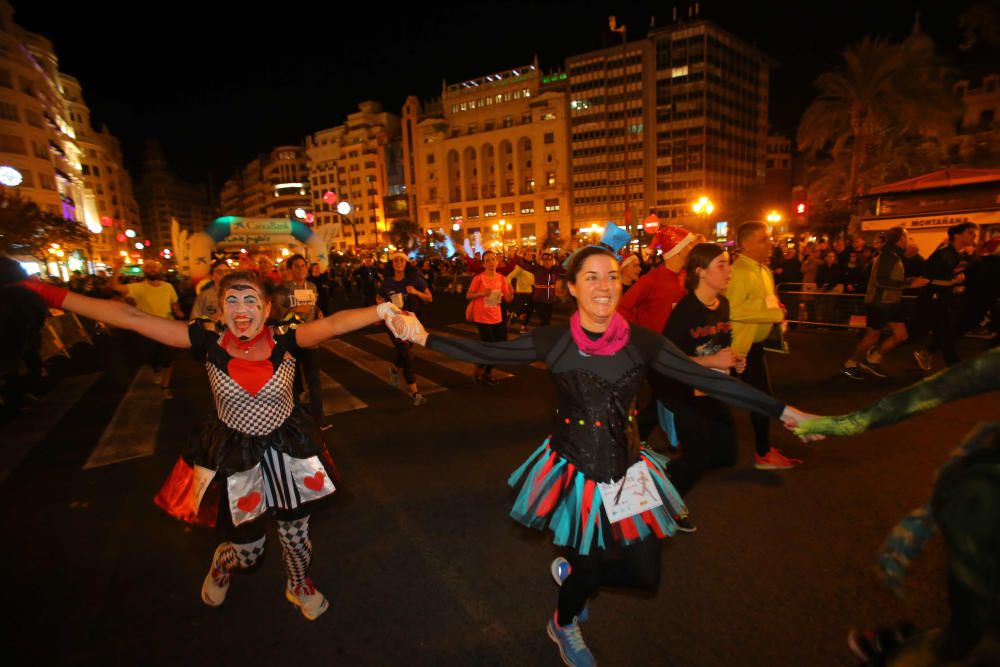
[[244, 310]]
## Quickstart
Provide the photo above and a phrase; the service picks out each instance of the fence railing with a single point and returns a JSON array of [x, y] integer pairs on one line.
[[805, 304]]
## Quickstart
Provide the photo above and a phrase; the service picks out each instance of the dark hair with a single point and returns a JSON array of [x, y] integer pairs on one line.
[[294, 258], [581, 256], [892, 236], [11, 271], [217, 263], [488, 252], [960, 228], [235, 277], [746, 230], [700, 257]]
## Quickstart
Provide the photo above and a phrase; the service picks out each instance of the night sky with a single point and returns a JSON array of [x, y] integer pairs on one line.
[[218, 82]]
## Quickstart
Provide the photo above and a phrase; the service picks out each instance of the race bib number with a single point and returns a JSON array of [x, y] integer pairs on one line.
[[633, 494], [304, 297], [493, 298], [397, 299]]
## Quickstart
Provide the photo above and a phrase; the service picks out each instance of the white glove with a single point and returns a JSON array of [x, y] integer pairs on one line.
[[408, 327], [387, 310]]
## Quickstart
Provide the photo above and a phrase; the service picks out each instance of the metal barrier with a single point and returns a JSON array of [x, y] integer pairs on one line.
[[805, 304]]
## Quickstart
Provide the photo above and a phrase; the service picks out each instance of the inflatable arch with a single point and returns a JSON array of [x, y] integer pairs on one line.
[[194, 251]]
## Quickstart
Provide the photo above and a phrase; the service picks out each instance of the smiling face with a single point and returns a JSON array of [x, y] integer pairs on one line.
[[244, 309], [597, 288], [298, 269]]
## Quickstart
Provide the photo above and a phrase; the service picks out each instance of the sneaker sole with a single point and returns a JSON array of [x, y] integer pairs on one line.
[[207, 582], [851, 376], [295, 601], [868, 369]]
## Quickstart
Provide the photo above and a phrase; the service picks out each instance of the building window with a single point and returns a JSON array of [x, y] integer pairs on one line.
[[8, 111], [527, 207], [508, 121], [472, 213], [490, 211], [435, 217], [432, 193], [526, 119], [10, 143], [456, 214], [472, 128], [550, 178], [679, 71], [548, 115], [33, 118], [551, 205], [507, 209], [5, 79], [550, 137], [430, 158]]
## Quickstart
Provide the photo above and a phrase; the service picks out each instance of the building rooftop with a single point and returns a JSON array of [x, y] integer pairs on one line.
[[943, 178]]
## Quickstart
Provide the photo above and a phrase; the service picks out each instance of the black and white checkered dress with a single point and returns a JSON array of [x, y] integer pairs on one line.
[[262, 450]]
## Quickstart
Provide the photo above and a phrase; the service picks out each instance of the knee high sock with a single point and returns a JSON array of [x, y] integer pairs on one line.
[[236, 557], [296, 549]]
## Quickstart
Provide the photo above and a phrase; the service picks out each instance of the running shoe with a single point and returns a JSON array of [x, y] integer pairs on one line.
[[870, 355], [572, 648], [393, 378], [419, 399], [774, 460], [560, 569], [924, 360], [853, 372], [310, 602], [216, 583], [873, 368], [684, 523]]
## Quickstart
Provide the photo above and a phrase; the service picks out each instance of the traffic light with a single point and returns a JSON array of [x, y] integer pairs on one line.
[[801, 208]]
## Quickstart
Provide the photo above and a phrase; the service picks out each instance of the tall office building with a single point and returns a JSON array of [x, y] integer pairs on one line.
[[359, 161], [163, 197], [275, 185], [672, 117], [490, 158]]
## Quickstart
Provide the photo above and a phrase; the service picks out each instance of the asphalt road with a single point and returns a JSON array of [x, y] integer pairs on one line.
[[415, 551]]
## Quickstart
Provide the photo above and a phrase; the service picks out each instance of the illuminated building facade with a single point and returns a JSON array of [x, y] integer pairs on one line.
[[361, 162], [490, 158]]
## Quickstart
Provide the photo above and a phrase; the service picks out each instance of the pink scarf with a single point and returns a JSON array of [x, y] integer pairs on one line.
[[613, 339]]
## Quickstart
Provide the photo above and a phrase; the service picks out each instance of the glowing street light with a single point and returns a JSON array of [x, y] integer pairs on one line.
[[703, 206], [774, 217]]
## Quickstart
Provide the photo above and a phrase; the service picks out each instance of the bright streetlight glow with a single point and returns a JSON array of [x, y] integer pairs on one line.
[[344, 207], [10, 176], [703, 206], [130, 233], [774, 217], [138, 245], [455, 227], [300, 213]]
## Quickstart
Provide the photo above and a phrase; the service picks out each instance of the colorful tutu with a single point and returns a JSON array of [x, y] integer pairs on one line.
[[552, 492]]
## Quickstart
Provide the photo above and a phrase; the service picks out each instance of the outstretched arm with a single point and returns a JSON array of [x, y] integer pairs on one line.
[[519, 351], [341, 322], [970, 377], [116, 313]]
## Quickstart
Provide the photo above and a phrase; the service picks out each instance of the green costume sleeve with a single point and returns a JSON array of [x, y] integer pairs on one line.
[[972, 376]]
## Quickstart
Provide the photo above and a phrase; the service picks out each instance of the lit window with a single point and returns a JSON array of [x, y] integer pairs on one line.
[[679, 71]]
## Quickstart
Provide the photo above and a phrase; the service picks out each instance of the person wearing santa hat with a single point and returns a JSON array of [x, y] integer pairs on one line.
[[754, 310], [649, 302]]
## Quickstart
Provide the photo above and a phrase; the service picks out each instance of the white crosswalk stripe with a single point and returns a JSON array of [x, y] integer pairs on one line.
[[376, 366], [462, 367], [132, 431], [336, 398]]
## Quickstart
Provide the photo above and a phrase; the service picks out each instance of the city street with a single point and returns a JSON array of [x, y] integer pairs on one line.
[[415, 551]]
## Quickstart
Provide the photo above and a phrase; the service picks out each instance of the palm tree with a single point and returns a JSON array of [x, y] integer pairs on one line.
[[885, 102], [405, 234]]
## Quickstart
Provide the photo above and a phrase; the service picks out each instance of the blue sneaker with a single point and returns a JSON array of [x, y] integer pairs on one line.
[[573, 650]]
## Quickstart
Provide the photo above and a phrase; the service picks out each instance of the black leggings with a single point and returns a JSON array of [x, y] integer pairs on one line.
[[404, 358], [756, 376], [707, 435], [491, 333], [637, 566]]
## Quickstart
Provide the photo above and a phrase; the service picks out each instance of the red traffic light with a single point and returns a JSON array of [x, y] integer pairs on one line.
[[800, 208]]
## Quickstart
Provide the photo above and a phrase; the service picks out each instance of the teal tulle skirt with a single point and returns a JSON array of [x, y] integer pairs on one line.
[[552, 492]]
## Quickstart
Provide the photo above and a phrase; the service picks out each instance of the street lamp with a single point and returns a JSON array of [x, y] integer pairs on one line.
[[773, 218], [704, 208], [502, 227], [345, 209]]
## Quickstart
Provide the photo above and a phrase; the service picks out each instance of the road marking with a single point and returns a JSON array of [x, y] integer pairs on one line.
[[131, 434], [376, 366], [336, 398], [461, 367], [20, 435]]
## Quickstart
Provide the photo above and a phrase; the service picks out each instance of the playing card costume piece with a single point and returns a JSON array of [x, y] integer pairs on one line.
[[261, 449]]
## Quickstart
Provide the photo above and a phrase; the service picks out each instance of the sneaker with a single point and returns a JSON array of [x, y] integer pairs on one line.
[[572, 648], [419, 399], [560, 569], [166, 393], [310, 602], [853, 372], [684, 523], [774, 460], [872, 356], [216, 583], [393, 378], [873, 368], [924, 360]]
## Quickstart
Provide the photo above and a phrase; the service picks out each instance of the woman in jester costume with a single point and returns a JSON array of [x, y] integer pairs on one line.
[[603, 495], [965, 508], [261, 454]]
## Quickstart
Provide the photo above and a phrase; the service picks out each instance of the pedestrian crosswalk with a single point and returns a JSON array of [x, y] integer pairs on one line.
[[133, 429]]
